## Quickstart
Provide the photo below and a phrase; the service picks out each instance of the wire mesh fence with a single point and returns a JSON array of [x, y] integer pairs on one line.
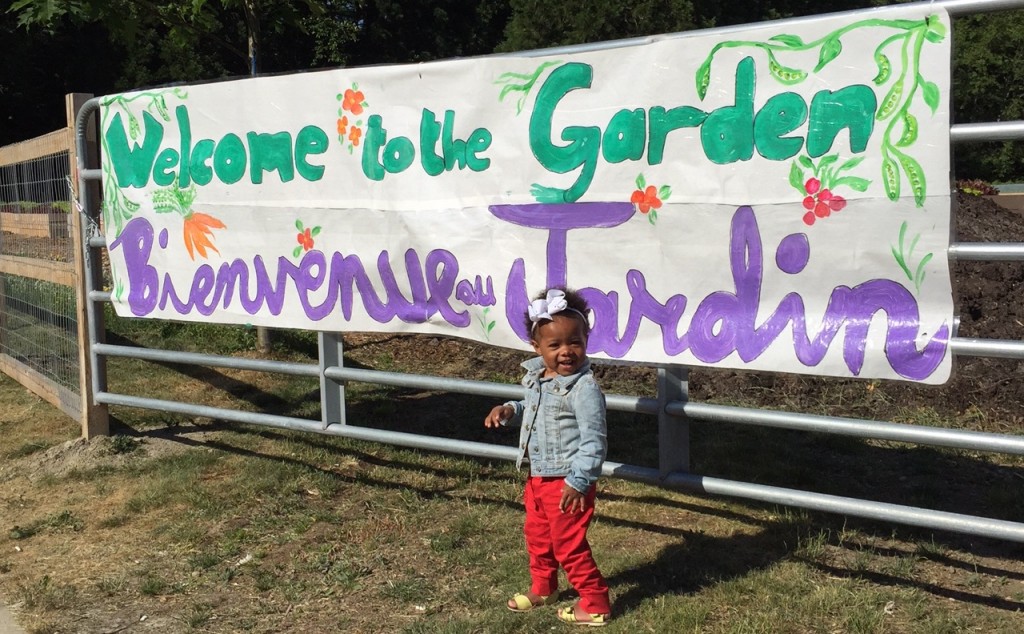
[[38, 326]]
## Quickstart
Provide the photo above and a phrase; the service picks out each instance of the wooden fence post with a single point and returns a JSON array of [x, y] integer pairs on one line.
[[94, 417]]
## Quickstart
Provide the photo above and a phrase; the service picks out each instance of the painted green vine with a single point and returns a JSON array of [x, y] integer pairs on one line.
[[521, 83], [486, 324], [901, 129], [117, 208], [903, 253]]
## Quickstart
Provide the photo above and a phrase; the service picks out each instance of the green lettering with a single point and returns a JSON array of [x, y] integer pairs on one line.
[[728, 133], [851, 107], [185, 132], [479, 141], [270, 152], [584, 142], [229, 159], [454, 150], [399, 154], [133, 165], [310, 140], [779, 116], [430, 132], [625, 136], [163, 170], [664, 121], [198, 163], [375, 137]]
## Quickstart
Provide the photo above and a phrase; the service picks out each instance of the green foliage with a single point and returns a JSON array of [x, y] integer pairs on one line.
[[539, 24], [988, 85], [976, 187]]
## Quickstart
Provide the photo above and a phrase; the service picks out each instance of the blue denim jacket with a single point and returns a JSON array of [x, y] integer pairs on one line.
[[563, 429]]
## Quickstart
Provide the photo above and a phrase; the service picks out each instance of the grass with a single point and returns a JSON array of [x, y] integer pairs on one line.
[[202, 526]]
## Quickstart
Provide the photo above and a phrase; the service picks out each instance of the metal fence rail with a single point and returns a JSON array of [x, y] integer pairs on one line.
[[672, 407]]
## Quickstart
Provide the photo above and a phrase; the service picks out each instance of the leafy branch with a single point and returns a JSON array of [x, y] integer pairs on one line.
[[903, 255], [521, 83], [901, 131], [117, 208], [486, 325]]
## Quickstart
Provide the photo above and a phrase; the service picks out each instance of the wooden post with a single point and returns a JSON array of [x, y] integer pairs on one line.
[[94, 417]]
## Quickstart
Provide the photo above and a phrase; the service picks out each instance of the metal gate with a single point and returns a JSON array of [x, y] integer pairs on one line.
[[672, 407]]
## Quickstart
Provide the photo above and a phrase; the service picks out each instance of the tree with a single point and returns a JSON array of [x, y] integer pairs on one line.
[[988, 85], [539, 24], [38, 67], [234, 29]]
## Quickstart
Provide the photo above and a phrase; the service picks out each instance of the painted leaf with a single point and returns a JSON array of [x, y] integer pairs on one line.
[[806, 162], [827, 161], [930, 93], [792, 41], [315, 232], [703, 78], [664, 192], [161, 108], [850, 163], [298, 225], [796, 177], [855, 183], [641, 183], [829, 51], [936, 29]]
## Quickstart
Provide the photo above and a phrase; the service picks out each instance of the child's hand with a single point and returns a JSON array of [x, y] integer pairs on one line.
[[572, 500], [498, 414]]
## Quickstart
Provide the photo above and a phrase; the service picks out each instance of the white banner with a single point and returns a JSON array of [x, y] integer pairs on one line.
[[770, 198]]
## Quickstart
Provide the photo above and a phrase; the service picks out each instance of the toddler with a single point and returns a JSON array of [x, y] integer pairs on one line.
[[563, 433]]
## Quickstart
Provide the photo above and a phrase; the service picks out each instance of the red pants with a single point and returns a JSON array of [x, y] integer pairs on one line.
[[554, 537]]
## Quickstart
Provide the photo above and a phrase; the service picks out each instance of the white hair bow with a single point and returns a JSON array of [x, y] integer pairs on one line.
[[550, 306]]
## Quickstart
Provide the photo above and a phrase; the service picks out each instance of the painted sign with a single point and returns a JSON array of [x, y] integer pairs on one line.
[[770, 198]]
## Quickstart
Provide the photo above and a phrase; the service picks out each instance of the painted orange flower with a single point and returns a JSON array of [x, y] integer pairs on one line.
[[198, 229], [646, 199], [353, 101], [342, 126], [354, 134]]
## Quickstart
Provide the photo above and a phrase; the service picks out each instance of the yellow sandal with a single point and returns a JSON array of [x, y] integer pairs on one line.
[[568, 615], [523, 603]]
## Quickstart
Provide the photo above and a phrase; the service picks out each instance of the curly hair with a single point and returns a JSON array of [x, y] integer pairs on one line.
[[573, 299]]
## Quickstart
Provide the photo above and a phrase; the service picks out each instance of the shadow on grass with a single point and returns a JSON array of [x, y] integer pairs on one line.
[[694, 560]]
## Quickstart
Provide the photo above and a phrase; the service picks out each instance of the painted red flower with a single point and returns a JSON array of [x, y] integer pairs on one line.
[[820, 204], [646, 199], [305, 239], [354, 134], [342, 126]]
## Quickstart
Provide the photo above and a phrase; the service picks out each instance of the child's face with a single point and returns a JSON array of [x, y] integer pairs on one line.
[[562, 343]]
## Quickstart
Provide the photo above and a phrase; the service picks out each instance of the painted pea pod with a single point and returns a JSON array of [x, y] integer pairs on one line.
[[891, 178], [884, 68], [915, 176], [891, 101], [785, 74]]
